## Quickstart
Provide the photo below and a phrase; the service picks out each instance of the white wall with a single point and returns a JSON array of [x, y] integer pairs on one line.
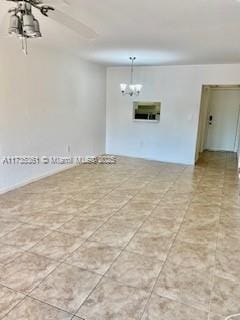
[[48, 100], [179, 89]]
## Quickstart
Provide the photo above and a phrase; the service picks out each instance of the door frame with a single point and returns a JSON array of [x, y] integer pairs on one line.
[[237, 138], [204, 116]]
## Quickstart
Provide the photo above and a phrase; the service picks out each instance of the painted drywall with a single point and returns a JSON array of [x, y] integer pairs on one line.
[[179, 90], [49, 100]]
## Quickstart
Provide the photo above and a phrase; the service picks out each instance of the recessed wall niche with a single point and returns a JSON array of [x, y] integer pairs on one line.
[[146, 111]]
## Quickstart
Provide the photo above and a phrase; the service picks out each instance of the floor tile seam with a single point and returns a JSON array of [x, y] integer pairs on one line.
[[15, 306], [122, 283], [63, 232], [63, 261], [217, 242], [186, 304], [145, 256], [169, 251], [92, 234], [13, 290], [28, 250], [48, 304], [114, 213], [217, 245], [22, 222], [38, 225], [121, 251], [105, 222], [59, 264], [51, 231], [103, 275], [40, 240]]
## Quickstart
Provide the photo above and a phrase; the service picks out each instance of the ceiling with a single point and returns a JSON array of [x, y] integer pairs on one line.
[[157, 32]]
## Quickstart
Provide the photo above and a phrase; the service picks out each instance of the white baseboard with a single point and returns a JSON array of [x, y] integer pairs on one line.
[[153, 159], [37, 178]]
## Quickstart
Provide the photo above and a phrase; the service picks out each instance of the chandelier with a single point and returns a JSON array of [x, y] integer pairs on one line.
[[131, 89]]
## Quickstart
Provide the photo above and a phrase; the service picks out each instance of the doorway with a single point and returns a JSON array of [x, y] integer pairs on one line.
[[219, 122]]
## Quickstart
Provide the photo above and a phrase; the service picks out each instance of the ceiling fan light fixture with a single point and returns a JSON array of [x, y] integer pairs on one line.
[[14, 25], [37, 28], [28, 26], [25, 26]]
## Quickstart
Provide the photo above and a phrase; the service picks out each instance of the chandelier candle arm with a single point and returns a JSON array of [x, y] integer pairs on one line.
[[131, 89]]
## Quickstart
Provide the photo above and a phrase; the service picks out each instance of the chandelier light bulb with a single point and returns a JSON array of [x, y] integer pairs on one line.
[[138, 88], [132, 87], [123, 87]]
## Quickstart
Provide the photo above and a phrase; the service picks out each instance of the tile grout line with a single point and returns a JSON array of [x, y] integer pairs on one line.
[[103, 276], [56, 230], [217, 243], [27, 295], [113, 214], [52, 230], [23, 298], [165, 261]]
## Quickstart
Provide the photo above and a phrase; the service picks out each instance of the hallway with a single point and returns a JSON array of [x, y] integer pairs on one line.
[[136, 240]]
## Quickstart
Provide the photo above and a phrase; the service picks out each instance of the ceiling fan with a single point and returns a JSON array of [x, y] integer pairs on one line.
[[26, 26]]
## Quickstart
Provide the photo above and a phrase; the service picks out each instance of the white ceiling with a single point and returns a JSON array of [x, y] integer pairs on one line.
[[157, 32]]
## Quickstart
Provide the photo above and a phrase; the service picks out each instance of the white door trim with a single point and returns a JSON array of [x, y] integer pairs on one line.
[[237, 139]]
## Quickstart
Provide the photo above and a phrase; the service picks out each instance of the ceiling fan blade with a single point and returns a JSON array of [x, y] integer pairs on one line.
[[78, 27], [56, 2], [66, 2]]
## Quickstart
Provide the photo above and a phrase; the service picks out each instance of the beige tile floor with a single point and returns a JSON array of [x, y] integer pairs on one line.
[[136, 240]]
